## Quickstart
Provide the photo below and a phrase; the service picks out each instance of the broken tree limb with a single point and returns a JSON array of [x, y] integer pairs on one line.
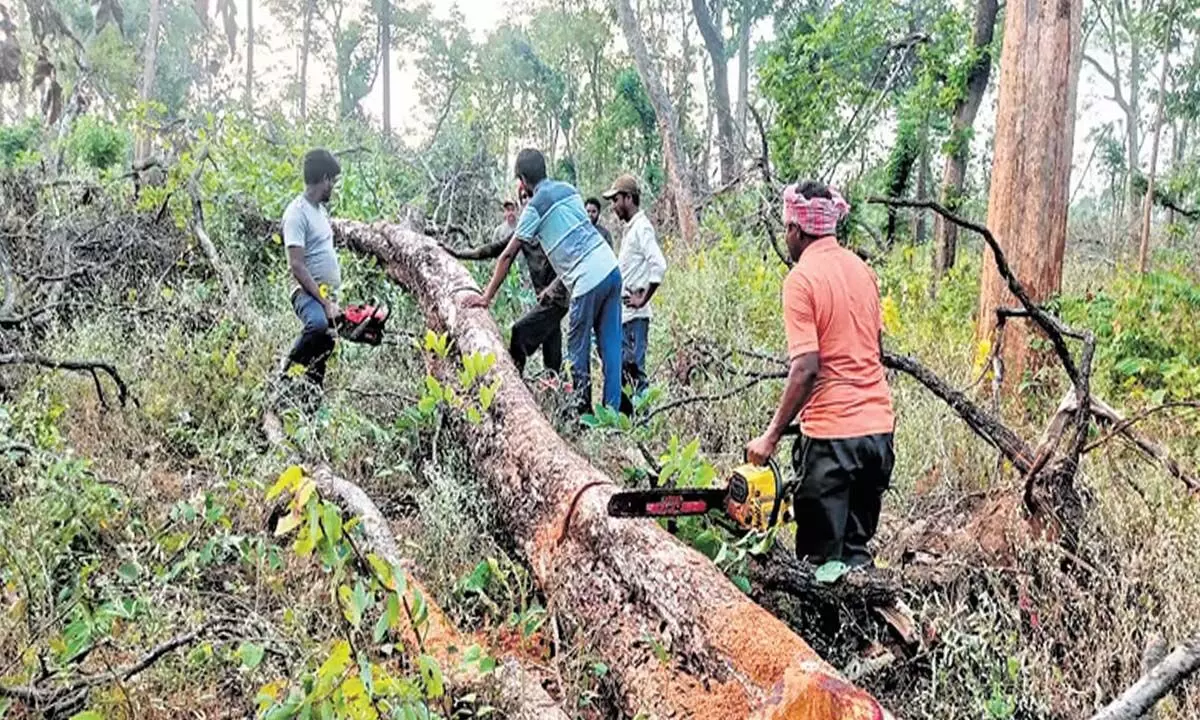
[[518, 692], [210, 250], [1151, 687], [92, 367], [1106, 415], [680, 638]]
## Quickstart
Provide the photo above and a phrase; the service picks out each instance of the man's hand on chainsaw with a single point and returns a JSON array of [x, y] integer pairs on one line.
[[760, 449], [332, 311]]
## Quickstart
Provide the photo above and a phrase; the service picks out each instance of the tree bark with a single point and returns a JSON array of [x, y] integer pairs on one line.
[[1148, 200], [919, 215], [149, 68], [679, 175], [680, 639], [954, 173], [385, 50], [305, 39], [1141, 697], [710, 25], [1030, 188], [250, 55], [744, 73]]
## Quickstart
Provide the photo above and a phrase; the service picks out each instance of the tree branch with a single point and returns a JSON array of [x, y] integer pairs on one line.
[[88, 366], [1135, 702]]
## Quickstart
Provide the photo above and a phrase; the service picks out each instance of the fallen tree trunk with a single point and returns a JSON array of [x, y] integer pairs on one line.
[[680, 638], [517, 692], [1160, 680]]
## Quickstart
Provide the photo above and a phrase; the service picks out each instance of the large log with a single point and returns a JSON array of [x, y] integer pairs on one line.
[[682, 641]]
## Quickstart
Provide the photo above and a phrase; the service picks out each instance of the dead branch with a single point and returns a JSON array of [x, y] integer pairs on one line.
[[1107, 415], [50, 698], [764, 165], [210, 250], [92, 367], [1135, 702]]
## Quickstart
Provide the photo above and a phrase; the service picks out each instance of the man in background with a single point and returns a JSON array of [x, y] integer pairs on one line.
[[555, 220], [593, 211], [541, 326], [642, 269], [836, 383], [312, 260]]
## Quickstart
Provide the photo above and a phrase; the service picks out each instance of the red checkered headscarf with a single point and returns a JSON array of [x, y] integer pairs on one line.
[[817, 216]]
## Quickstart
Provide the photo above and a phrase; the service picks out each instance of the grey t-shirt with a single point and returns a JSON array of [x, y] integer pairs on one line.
[[307, 226]]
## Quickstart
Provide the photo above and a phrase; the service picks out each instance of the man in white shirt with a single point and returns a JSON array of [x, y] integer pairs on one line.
[[642, 269]]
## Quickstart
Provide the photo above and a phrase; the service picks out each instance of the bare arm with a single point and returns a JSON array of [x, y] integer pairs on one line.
[[299, 270], [498, 275], [802, 375], [483, 252], [552, 288]]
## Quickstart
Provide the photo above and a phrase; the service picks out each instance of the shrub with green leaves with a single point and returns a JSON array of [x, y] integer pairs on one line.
[[97, 143]]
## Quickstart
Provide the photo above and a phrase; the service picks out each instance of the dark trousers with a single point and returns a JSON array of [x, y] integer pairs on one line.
[[315, 344], [841, 490], [597, 311], [635, 334], [540, 327]]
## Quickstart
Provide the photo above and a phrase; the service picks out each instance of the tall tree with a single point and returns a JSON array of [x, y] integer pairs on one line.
[[305, 39], [710, 25], [385, 60], [1030, 187], [958, 148], [250, 55], [149, 69], [1148, 200], [678, 174], [745, 23], [1121, 27]]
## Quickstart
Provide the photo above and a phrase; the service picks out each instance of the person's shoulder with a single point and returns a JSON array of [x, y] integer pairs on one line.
[[296, 210]]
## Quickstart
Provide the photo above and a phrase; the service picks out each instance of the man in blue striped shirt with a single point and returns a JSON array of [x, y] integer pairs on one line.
[[556, 220]]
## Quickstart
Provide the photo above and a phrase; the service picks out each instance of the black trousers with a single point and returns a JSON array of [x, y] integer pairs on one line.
[[840, 494], [540, 327], [315, 344]]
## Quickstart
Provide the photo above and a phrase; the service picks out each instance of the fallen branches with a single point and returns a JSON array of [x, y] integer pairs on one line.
[[92, 367], [56, 699], [210, 250], [517, 691], [680, 638], [1135, 702]]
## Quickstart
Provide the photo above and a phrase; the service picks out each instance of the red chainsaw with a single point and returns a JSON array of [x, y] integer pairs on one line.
[[362, 323]]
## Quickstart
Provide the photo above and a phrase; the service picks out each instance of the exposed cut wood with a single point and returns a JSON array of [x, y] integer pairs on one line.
[[517, 692], [1142, 695], [681, 639]]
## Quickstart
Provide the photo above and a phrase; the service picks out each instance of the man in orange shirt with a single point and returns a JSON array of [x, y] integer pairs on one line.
[[835, 383]]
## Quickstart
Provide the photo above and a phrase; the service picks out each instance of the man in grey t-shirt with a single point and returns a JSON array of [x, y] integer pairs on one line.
[[313, 262]]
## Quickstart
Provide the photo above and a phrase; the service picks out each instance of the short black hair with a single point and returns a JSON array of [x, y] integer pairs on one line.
[[320, 164], [593, 201], [531, 166], [813, 189], [508, 204]]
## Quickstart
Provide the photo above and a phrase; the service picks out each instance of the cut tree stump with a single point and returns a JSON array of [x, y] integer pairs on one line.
[[681, 640]]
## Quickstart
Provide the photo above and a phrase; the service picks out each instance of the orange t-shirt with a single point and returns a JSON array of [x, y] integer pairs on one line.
[[831, 307]]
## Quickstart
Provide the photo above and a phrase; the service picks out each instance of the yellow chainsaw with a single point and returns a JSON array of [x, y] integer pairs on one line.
[[754, 497]]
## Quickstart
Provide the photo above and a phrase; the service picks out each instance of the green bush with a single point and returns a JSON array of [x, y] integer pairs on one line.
[[16, 140], [97, 143]]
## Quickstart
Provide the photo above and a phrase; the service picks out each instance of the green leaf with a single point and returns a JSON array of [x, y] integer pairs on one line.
[[434, 388], [332, 519], [599, 669], [129, 572], [388, 618], [479, 578], [742, 582], [250, 655], [287, 481], [431, 675], [473, 416], [87, 715], [420, 612], [831, 572]]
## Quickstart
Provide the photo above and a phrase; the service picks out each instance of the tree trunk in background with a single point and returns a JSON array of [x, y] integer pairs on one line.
[[1133, 141], [680, 640], [1148, 200], [250, 55], [919, 215], [954, 174], [743, 75], [679, 176], [1030, 186], [305, 38], [385, 49], [710, 25], [149, 68]]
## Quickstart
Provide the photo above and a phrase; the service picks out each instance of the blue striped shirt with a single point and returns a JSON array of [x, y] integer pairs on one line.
[[556, 219]]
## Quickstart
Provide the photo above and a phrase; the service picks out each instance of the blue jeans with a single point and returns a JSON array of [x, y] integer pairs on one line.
[[597, 310], [315, 344], [634, 336]]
